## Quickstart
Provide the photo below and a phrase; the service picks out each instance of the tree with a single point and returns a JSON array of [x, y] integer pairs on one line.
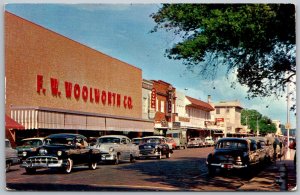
[[253, 119], [256, 40]]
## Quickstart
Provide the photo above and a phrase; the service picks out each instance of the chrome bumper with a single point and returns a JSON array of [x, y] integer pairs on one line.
[[42, 162]]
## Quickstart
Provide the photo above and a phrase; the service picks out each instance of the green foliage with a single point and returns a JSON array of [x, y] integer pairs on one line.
[[256, 40], [254, 119]]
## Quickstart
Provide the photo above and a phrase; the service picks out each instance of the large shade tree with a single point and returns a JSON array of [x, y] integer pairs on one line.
[[256, 41]]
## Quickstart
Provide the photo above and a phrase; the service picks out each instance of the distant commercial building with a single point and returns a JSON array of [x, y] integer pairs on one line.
[[229, 112], [54, 84]]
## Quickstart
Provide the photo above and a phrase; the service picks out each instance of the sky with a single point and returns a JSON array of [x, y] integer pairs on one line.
[[122, 31]]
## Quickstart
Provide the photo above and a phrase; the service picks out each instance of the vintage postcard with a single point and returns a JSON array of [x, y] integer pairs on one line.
[[150, 97]]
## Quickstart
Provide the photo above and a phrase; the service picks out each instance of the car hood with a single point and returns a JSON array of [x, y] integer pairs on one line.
[[106, 146], [25, 148], [148, 145], [52, 149]]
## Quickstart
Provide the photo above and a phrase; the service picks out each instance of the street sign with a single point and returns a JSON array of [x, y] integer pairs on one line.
[[288, 126]]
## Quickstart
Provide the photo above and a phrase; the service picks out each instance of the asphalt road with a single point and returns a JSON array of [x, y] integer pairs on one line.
[[184, 171]]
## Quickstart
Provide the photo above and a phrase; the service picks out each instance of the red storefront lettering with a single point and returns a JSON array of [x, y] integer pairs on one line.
[[54, 87], [97, 95], [91, 95], [118, 100], [153, 98], [103, 97], [39, 84], [109, 98], [125, 101], [114, 98], [129, 102], [85, 93], [76, 91], [68, 87]]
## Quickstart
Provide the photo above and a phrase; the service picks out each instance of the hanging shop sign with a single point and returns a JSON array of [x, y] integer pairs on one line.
[[170, 96], [153, 98], [86, 93]]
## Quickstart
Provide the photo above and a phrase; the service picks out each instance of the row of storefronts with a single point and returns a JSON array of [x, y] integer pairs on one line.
[[54, 84]]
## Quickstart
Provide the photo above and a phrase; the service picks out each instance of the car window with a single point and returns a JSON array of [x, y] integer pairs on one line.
[[108, 140], [253, 147], [123, 141], [231, 145]]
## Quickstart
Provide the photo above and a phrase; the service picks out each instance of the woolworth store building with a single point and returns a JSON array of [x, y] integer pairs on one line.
[[55, 85]]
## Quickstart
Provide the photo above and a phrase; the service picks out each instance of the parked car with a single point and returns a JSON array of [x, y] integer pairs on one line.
[[179, 136], [209, 141], [171, 142], [116, 148], [28, 147], [233, 153], [63, 151], [195, 142], [155, 146], [11, 155], [137, 140]]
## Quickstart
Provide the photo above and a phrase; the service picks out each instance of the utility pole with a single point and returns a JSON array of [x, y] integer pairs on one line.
[[257, 128], [287, 126]]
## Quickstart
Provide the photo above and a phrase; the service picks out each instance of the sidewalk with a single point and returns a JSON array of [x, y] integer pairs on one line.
[[265, 180]]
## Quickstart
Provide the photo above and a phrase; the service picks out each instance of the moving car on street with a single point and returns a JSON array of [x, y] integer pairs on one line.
[[195, 142], [209, 141], [155, 146], [116, 148], [11, 155], [233, 153], [28, 147], [171, 142], [63, 151]]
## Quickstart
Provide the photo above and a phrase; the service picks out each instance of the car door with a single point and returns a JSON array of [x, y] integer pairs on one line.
[[253, 155], [124, 150]]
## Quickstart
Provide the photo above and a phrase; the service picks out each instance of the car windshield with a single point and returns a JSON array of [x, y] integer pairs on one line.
[[31, 143], [151, 140], [231, 145], [108, 140], [59, 141]]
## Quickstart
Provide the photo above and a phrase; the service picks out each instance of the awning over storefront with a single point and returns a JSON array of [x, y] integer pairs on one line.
[[47, 118], [12, 124]]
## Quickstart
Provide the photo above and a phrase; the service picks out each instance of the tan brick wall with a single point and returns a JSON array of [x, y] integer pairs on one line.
[[32, 50]]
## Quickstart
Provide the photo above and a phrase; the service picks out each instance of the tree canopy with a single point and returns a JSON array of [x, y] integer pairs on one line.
[[253, 119], [257, 41]]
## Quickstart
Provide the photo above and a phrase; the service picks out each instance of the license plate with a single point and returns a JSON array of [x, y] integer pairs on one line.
[[227, 166]]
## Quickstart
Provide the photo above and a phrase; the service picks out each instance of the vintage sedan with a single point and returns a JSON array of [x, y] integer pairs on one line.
[[28, 147], [233, 153], [11, 155], [63, 151], [195, 142], [116, 148], [155, 146]]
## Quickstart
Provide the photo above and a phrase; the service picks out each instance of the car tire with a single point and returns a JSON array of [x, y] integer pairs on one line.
[[93, 165], [132, 159], [69, 166], [8, 164], [168, 155], [117, 160], [30, 170], [159, 156], [211, 170]]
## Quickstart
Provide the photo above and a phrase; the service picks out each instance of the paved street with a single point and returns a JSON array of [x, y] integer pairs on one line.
[[184, 171]]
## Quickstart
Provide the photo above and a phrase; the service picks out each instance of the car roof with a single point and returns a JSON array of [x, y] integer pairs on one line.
[[117, 136], [66, 135], [233, 139], [33, 138], [149, 137]]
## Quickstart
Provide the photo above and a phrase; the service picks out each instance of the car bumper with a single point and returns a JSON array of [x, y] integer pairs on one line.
[[226, 165], [149, 153], [108, 157], [43, 162]]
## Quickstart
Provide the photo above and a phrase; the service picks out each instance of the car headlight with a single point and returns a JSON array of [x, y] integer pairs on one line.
[[59, 153], [24, 153], [111, 149], [43, 151]]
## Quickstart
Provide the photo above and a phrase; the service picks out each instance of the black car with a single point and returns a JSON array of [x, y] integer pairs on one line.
[[155, 146], [62, 151], [233, 153], [28, 147]]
